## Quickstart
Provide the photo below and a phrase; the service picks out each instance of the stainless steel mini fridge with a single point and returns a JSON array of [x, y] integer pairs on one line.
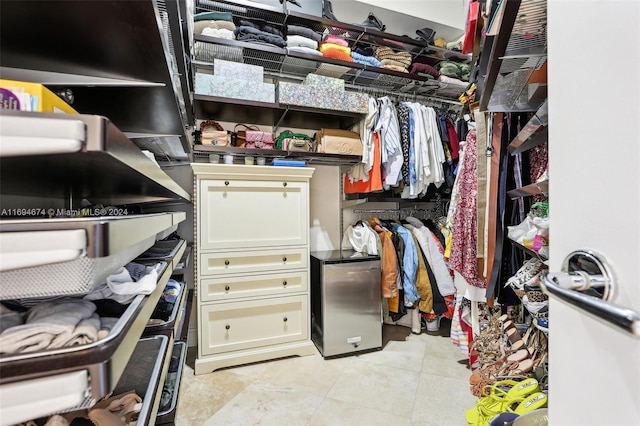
[[346, 303]]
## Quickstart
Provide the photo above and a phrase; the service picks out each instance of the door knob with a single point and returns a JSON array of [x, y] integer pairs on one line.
[[226, 262], [586, 283], [227, 326], [284, 283], [226, 288]]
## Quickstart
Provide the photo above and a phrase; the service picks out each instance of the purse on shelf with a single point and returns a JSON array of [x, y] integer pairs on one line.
[[289, 141], [212, 133], [240, 130], [253, 137]]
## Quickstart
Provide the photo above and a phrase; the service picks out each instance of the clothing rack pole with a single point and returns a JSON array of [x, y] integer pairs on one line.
[[423, 99]]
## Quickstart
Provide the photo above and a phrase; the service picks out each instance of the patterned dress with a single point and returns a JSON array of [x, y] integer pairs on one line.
[[464, 251]]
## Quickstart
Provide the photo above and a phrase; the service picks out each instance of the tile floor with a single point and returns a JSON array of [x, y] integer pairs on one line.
[[414, 380]]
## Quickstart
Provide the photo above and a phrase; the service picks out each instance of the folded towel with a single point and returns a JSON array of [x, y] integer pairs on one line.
[[220, 33], [85, 332], [246, 23], [396, 68], [367, 60], [332, 51], [325, 45], [216, 25], [250, 34], [296, 40], [335, 40], [305, 50], [384, 52], [48, 321], [304, 31], [213, 16]]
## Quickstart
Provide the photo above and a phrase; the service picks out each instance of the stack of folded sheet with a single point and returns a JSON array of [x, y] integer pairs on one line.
[[302, 40], [214, 24], [259, 33], [335, 47], [397, 61]]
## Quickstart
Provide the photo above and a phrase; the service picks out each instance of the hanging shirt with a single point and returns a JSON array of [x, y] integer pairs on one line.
[[390, 141], [362, 170], [409, 266], [374, 183], [360, 238]]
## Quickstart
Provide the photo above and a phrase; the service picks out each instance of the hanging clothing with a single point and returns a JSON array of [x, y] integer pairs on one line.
[[405, 140], [389, 129], [423, 284], [409, 266], [360, 238], [464, 252], [389, 265], [374, 183]]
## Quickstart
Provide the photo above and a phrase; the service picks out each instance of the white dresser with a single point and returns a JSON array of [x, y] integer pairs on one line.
[[252, 263]]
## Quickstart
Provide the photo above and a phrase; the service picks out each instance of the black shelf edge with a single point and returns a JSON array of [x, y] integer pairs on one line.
[[526, 249], [123, 40], [235, 101], [530, 190], [537, 137]]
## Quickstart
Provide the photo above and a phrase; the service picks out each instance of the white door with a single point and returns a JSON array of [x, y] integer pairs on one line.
[[594, 197]]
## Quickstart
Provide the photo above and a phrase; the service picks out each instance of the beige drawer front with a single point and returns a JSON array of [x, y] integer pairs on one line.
[[243, 214], [252, 261], [227, 327], [233, 287]]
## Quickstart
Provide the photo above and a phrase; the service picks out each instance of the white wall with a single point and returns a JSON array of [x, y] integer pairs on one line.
[[446, 17], [325, 208]]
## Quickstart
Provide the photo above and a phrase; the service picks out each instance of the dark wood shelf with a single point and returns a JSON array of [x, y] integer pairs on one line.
[[534, 133], [529, 190], [272, 114]]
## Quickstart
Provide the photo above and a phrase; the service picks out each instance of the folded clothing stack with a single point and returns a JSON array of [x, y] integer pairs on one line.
[[302, 40], [424, 69], [214, 24], [367, 60], [259, 33], [335, 47], [455, 70], [397, 61]]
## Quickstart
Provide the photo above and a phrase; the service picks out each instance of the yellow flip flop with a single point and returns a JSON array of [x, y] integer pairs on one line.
[[499, 400], [531, 402]]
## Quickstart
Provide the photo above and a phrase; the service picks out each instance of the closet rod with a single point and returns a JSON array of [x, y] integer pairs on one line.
[[423, 99], [399, 211]]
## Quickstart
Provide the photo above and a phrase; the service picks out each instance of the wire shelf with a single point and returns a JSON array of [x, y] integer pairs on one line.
[[245, 9]]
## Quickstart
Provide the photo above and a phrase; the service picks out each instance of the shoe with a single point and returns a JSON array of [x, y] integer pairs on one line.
[[542, 323], [499, 397], [373, 22], [327, 10]]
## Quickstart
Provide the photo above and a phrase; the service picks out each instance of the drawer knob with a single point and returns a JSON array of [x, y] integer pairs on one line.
[[284, 319], [226, 183], [227, 326], [284, 183], [284, 259], [284, 283], [226, 262], [226, 288]]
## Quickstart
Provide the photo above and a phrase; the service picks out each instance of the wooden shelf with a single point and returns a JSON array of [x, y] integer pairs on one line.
[[529, 190]]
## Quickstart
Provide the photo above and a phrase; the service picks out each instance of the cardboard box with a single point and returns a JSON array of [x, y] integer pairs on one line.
[[225, 87], [238, 70], [25, 96]]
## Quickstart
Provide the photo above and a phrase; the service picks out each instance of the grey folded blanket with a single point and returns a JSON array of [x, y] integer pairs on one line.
[[53, 324], [304, 31]]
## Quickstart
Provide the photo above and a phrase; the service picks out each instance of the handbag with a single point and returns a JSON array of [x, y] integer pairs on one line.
[[241, 135], [212, 133], [258, 139], [289, 141]]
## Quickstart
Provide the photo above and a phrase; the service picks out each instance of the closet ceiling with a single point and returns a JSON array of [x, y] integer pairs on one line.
[[405, 17]]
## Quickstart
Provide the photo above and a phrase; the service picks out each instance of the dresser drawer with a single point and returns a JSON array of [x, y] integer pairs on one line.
[[252, 261], [244, 214], [227, 327], [233, 287]]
